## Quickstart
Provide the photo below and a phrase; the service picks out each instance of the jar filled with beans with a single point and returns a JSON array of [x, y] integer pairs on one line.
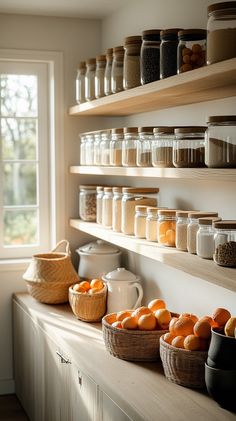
[[87, 203], [191, 49], [150, 56], [168, 52]]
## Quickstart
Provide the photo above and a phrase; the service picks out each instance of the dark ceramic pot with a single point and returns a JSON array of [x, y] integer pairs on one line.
[[221, 386], [222, 351]]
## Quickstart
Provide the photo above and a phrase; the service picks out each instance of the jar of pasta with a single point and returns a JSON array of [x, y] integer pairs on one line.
[[117, 137], [87, 203], [162, 147], [90, 79], [129, 147], [144, 147], [166, 227], [140, 221], [117, 69], [132, 62], [99, 76], [107, 208], [116, 209]]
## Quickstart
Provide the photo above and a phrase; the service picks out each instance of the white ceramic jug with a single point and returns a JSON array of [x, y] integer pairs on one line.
[[124, 290]]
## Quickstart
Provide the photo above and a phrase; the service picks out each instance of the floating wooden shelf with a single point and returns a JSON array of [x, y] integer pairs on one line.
[[191, 264], [205, 84]]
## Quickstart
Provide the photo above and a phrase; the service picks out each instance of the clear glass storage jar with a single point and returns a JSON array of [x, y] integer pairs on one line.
[[90, 79], [97, 147], [144, 147], [221, 31], [166, 227], [117, 137], [220, 146], [105, 147], [151, 223], [83, 149], [205, 244], [181, 230], [87, 203], [140, 221], [100, 192], [107, 76], [80, 83], [107, 207], [191, 49], [89, 148], [129, 147], [99, 76], [162, 147], [192, 228], [189, 147], [132, 62], [150, 56], [117, 69], [168, 52], [116, 209], [225, 243]]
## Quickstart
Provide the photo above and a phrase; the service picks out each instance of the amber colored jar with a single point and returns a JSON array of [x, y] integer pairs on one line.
[[191, 49], [132, 62]]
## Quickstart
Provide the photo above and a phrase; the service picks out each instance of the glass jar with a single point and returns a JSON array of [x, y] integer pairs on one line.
[[166, 227], [99, 76], [144, 147], [116, 209], [89, 148], [107, 208], [90, 79], [191, 49], [205, 244], [151, 224], [162, 147], [225, 243], [221, 31], [97, 147], [83, 149], [189, 147], [181, 230], [117, 137], [132, 62], [168, 52], [140, 221], [80, 83], [100, 192], [129, 147], [117, 69], [150, 56], [107, 76], [105, 147], [87, 203], [220, 145], [133, 197], [192, 228]]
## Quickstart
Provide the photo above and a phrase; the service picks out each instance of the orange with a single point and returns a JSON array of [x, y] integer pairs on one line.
[[111, 318], [172, 325], [168, 337], [117, 324], [230, 326], [94, 290], [140, 311], [221, 316], [121, 315], [79, 288], [178, 341], [192, 343], [190, 315], [202, 329], [209, 320], [129, 323], [147, 322], [85, 285], [163, 317], [96, 283], [183, 326], [156, 304]]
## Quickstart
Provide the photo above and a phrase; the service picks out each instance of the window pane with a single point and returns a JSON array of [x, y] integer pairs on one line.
[[19, 137], [20, 227], [19, 95], [20, 184]]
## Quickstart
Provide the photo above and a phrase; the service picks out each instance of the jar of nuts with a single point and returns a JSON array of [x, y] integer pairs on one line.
[[87, 203], [191, 52]]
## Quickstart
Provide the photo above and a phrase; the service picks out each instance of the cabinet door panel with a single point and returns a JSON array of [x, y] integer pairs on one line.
[[83, 396], [110, 410]]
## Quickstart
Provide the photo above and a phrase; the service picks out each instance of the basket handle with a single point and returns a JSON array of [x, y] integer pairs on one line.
[[67, 246]]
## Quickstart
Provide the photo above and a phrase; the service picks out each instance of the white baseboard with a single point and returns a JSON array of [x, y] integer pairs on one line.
[[7, 387]]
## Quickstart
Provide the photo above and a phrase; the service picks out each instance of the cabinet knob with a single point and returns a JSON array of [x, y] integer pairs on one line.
[[63, 359], [80, 379]]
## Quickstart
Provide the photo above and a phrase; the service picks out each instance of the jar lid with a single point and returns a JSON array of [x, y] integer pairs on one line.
[[140, 190], [164, 129], [226, 224], [98, 247], [100, 188], [107, 189], [117, 189], [208, 221], [118, 130], [182, 214], [131, 130], [101, 57], [151, 35], [121, 274], [192, 34], [82, 65], [141, 208], [87, 187], [109, 51], [221, 6], [198, 215], [148, 129], [91, 61], [136, 39], [119, 48], [221, 118], [171, 33], [153, 210], [190, 129], [167, 212]]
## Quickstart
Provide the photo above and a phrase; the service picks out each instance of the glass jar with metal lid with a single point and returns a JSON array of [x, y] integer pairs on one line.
[[162, 147], [107, 75], [116, 209], [99, 76], [168, 52], [117, 69], [150, 56], [205, 244], [129, 147], [83, 149], [192, 228], [181, 230], [189, 147], [132, 47], [105, 147], [220, 146], [80, 83], [140, 221], [117, 137], [87, 203], [221, 31], [100, 192], [191, 49], [144, 147], [90, 79], [97, 147], [166, 227], [89, 148], [107, 207], [225, 243]]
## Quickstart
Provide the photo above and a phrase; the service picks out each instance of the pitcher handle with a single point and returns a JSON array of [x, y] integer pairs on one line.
[[67, 246], [140, 294]]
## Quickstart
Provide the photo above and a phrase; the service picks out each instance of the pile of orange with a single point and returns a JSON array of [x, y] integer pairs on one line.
[[89, 287]]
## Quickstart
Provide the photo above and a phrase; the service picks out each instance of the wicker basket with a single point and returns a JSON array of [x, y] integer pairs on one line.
[[182, 366], [48, 293], [86, 307]]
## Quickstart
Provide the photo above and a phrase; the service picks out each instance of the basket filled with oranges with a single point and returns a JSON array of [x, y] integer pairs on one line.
[[134, 335], [88, 300]]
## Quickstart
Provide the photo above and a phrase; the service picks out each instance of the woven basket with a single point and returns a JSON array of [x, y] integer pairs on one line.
[[48, 293], [86, 307], [182, 366]]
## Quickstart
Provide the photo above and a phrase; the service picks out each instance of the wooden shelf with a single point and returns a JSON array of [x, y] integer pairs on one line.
[[189, 263], [205, 84]]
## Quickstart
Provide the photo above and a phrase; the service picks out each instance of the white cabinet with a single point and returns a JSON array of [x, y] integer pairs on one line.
[[83, 396], [110, 410]]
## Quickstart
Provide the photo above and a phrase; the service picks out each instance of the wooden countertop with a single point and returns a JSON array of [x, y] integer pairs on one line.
[[140, 389]]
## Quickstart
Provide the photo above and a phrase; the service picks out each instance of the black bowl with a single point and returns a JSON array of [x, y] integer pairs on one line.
[[222, 350], [221, 386]]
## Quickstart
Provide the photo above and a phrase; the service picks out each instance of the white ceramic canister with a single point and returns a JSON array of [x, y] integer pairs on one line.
[[124, 290], [97, 258]]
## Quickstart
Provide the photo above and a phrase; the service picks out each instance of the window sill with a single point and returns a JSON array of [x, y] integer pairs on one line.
[[13, 265]]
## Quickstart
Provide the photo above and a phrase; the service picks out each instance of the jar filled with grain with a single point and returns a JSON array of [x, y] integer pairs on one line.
[[151, 223], [89, 144], [166, 227], [97, 147], [189, 147], [162, 147], [87, 203], [117, 137], [140, 221], [80, 83], [192, 228], [107, 76], [132, 62], [83, 149], [117, 69], [107, 208], [168, 52], [100, 192], [129, 147], [181, 230], [99, 76], [205, 244], [150, 56], [90, 79], [220, 146], [191, 49], [225, 243], [144, 147], [116, 209], [105, 147]]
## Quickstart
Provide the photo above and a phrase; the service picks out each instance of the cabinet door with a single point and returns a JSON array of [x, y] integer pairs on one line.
[[110, 411]]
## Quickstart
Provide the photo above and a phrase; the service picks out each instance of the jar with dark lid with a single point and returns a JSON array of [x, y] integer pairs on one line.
[[191, 49], [162, 147], [144, 147], [166, 227], [193, 218], [189, 147], [117, 137], [117, 69], [129, 147], [220, 146], [168, 52], [80, 83], [107, 75], [225, 243], [132, 47], [221, 31], [150, 56], [87, 203], [90, 79], [99, 76]]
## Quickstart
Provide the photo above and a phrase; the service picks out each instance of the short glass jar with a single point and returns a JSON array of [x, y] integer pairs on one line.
[[220, 145], [221, 31], [191, 49], [83, 149], [90, 79], [117, 137], [189, 147], [131, 74], [116, 209], [181, 230], [105, 147], [87, 203], [129, 147], [80, 83], [168, 52], [107, 207], [144, 147], [205, 244], [225, 243], [162, 147], [140, 221], [89, 144], [192, 228], [117, 69], [150, 56], [151, 223], [99, 76], [97, 147], [166, 227], [107, 75], [100, 192]]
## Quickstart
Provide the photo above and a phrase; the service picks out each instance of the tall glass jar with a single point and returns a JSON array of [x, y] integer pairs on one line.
[[99, 76], [116, 209], [132, 62], [220, 147], [193, 228], [83, 149], [97, 148], [105, 147], [90, 79], [150, 56], [129, 147], [107, 207], [140, 221], [100, 192], [80, 83], [89, 152], [117, 69], [221, 31], [189, 147], [151, 223], [225, 243], [117, 137], [181, 230], [205, 244], [168, 52], [107, 76], [166, 227], [87, 203], [191, 49], [162, 147], [144, 147]]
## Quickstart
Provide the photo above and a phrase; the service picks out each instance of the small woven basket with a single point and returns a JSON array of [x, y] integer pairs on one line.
[[48, 293], [88, 307], [182, 366]]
